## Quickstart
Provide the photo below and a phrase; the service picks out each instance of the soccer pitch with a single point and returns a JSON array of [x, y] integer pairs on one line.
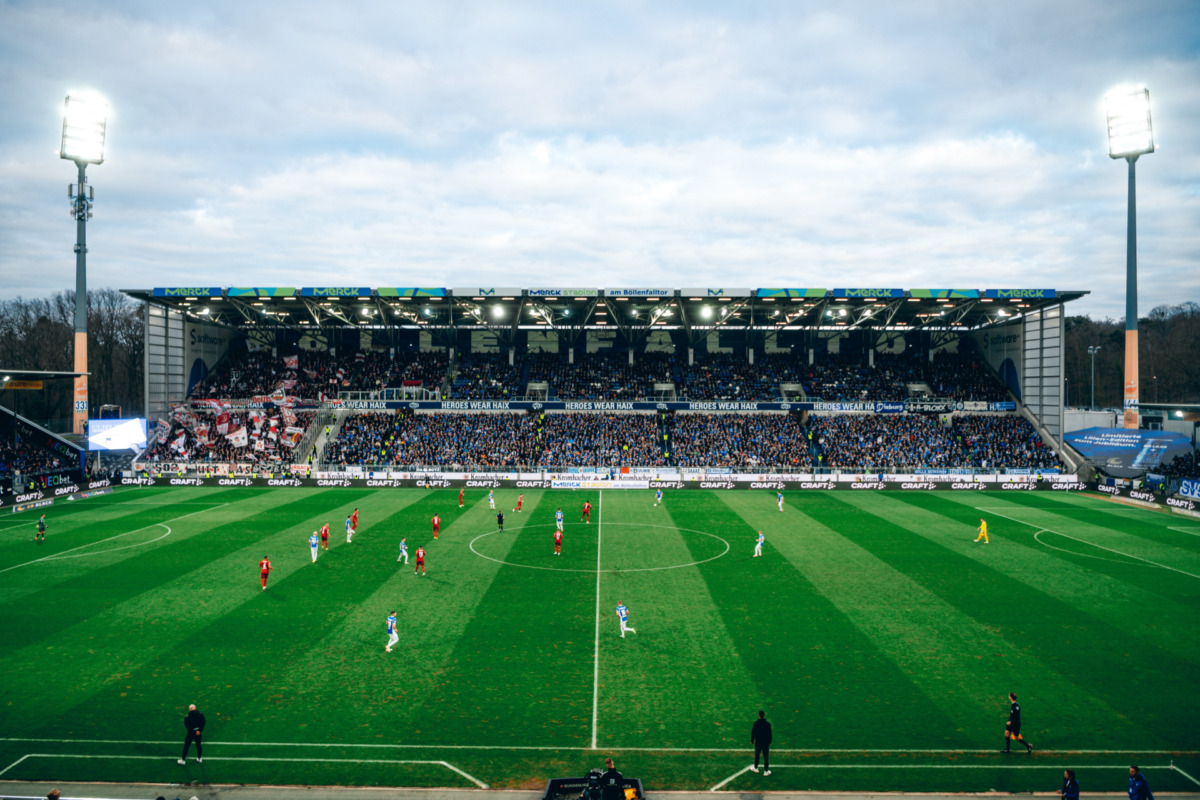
[[878, 637]]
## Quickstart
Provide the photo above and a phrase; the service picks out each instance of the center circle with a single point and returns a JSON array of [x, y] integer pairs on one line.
[[718, 543]]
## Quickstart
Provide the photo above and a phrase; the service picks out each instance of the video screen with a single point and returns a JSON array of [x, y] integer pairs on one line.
[[116, 434]]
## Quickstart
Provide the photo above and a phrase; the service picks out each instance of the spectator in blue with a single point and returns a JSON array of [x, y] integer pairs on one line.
[[1139, 789]]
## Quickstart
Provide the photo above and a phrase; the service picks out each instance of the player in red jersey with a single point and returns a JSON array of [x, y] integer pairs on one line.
[[586, 516], [520, 499], [558, 543], [325, 536], [437, 523], [420, 565], [354, 521], [264, 567], [460, 496]]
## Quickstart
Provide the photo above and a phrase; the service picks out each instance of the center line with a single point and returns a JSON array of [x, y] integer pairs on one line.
[[596, 663]]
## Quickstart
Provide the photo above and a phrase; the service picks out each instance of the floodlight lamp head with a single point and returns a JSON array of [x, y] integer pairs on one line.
[[1130, 130], [85, 121]]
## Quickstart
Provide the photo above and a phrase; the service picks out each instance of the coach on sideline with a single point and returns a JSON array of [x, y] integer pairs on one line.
[[194, 724]]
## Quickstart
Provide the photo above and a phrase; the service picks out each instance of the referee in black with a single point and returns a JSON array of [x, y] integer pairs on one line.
[[1012, 729], [760, 737], [194, 724]]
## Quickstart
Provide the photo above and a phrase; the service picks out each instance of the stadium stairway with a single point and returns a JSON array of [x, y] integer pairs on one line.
[[329, 434]]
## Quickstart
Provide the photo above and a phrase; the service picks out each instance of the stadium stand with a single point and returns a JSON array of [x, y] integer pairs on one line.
[[601, 440], [184, 442], [458, 441], [484, 376], [906, 442], [752, 441]]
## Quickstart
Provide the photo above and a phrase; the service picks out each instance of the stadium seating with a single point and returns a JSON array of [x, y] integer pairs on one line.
[[219, 448], [749, 441], [907, 442]]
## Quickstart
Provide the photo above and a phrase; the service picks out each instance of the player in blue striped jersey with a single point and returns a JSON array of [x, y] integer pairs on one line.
[[657, 497], [403, 551], [393, 637], [758, 544], [623, 615], [313, 541], [558, 519]]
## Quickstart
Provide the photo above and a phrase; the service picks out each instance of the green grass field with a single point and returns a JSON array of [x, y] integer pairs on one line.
[[880, 640]]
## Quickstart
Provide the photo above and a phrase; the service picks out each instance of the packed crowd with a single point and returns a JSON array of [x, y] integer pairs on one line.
[[309, 374], [904, 442], [1010, 441], [202, 442], [724, 376], [1184, 466], [601, 440], [486, 376], [739, 440], [20, 456], [846, 442], [456, 441], [601, 376]]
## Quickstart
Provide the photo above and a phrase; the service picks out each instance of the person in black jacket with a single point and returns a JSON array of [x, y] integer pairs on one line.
[[760, 737], [193, 723], [612, 783], [1070, 790]]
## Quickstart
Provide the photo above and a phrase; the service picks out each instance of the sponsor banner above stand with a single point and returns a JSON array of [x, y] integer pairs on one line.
[[781, 483], [873, 407]]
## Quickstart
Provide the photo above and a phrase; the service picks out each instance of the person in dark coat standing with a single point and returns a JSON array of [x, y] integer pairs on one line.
[[193, 723], [612, 782], [1139, 789], [760, 737], [1070, 790]]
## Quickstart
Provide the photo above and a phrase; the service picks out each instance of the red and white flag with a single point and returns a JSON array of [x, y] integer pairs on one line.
[[223, 423], [238, 438], [291, 362]]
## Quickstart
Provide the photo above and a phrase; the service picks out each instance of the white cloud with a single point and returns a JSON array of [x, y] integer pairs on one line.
[[924, 145]]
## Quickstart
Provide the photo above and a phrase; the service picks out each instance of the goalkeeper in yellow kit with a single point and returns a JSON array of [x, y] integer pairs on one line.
[[982, 531]]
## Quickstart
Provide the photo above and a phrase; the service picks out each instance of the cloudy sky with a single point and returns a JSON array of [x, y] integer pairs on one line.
[[914, 145]]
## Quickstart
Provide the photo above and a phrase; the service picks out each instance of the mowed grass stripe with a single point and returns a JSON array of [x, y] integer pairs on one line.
[[1153, 525], [126, 656], [522, 669], [947, 656], [1109, 590], [679, 681], [88, 523], [1037, 637], [347, 670], [1114, 538], [825, 683], [71, 591]]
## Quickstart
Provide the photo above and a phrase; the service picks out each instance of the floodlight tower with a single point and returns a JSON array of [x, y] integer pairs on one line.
[[1130, 134], [85, 120]]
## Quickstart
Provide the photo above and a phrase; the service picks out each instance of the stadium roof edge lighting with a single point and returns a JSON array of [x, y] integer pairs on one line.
[[311, 308]]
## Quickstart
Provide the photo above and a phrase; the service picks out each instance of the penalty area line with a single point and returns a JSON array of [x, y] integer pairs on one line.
[[1184, 774], [445, 764], [55, 556], [1090, 544], [1055, 767]]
